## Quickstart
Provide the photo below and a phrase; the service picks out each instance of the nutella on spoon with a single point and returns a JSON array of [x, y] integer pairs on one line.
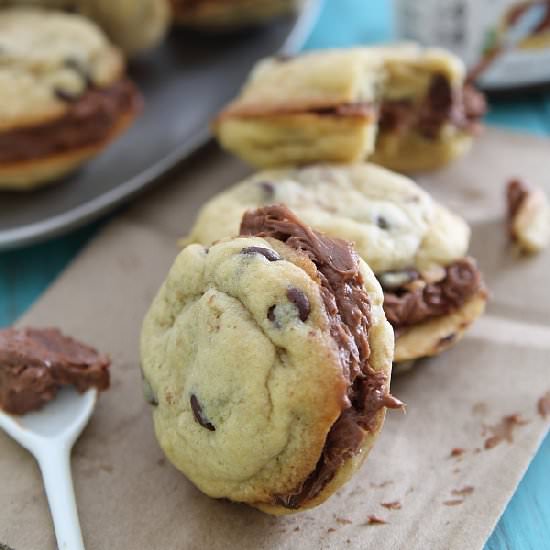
[[36, 363]]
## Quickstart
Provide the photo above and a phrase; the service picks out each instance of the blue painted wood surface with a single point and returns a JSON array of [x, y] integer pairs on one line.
[[25, 273]]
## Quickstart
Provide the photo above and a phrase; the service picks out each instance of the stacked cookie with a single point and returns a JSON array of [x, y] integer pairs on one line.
[[267, 352], [415, 246], [133, 25], [406, 108], [64, 95]]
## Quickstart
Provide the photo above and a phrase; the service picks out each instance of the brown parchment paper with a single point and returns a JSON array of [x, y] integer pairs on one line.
[[130, 498]]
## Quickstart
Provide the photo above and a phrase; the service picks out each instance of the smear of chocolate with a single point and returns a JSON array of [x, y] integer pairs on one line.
[[457, 451], [463, 107], [199, 414], [466, 490], [375, 520], [504, 430], [348, 308], [89, 120], [406, 306], [395, 505], [36, 363]]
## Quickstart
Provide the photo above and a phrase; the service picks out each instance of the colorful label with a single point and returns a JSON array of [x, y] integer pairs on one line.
[[507, 42]]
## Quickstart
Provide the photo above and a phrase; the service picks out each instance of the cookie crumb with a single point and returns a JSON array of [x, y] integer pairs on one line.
[[331, 530], [504, 430], [543, 405], [528, 216], [297, 528], [375, 520], [395, 505], [343, 521], [466, 490], [457, 451], [453, 502]]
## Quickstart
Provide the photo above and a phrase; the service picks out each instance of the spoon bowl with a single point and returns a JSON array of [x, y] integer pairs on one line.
[[49, 434]]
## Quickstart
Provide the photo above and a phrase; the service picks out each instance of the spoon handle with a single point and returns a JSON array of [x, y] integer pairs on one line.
[[55, 464]]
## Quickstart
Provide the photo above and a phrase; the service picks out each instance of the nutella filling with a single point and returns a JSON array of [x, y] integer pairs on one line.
[[463, 108], [348, 308], [418, 301], [36, 363], [89, 121]]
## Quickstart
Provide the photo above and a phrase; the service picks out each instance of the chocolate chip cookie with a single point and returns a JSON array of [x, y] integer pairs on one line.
[[415, 246], [63, 95], [133, 25], [267, 360], [404, 107], [221, 14]]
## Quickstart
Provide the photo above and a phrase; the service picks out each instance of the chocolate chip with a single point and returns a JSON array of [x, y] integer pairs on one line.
[[444, 340], [382, 223], [77, 67], [267, 253], [268, 189], [63, 95], [199, 415], [271, 314], [300, 300]]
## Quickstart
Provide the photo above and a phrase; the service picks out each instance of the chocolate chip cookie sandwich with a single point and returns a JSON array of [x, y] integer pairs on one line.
[[64, 95], [267, 359], [133, 25], [404, 107], [36, 363], [415, 246], [221, 14]]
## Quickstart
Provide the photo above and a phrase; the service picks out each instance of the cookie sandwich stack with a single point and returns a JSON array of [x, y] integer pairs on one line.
[[267, 353]]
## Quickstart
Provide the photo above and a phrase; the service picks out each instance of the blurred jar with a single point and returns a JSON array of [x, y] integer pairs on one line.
[[504, 43]]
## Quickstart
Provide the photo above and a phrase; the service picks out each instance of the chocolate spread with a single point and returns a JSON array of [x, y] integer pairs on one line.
[[348, 308], [35, 363], [89, 121], [410, 304], [363, 109], [463, 108], [516, 193]]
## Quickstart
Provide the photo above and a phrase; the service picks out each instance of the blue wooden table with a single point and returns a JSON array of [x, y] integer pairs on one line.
[[25, 273]]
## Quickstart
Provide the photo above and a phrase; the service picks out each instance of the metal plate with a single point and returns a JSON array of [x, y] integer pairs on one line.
[[185, 82]]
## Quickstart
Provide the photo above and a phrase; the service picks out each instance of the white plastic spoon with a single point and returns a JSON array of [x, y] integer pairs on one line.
[[49, 434]]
